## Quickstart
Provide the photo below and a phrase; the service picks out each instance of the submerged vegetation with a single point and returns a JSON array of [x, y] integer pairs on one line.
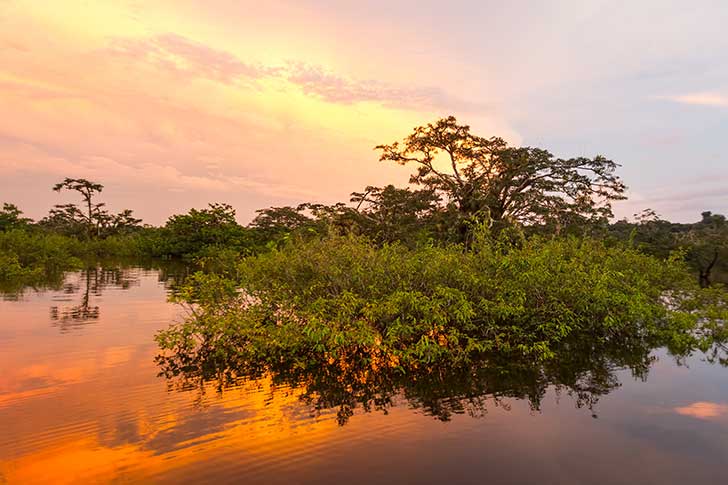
[[346, 299]]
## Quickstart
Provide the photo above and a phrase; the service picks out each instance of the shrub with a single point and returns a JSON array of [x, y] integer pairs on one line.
[[344, 299]]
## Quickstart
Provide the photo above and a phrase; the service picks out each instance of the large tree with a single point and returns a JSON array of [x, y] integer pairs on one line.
[[486, 178]]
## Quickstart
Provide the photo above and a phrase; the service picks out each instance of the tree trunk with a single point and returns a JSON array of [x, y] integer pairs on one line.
[[704, 277]]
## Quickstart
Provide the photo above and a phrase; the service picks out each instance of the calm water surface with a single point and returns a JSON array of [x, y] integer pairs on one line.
[[81, 401]]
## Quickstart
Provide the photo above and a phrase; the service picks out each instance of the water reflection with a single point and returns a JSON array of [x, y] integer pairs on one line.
[[84, 291], [582, 371], [77, 295], [704, 410], [87, 407]]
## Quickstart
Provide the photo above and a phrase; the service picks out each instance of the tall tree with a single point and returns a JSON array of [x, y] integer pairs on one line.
[[94, 212], [486, 178]]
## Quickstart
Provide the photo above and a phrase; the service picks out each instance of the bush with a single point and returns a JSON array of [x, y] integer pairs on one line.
[[344, 299], [32, 257]]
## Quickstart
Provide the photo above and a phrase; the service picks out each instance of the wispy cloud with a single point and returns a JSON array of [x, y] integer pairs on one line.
[[318, 81], [186, 57], [699, 99], [190, 59]]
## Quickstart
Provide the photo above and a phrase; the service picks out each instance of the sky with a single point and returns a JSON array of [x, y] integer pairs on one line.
[[172, 104]]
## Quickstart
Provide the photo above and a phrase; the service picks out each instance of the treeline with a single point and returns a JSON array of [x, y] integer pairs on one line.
[[491, 249], [461, 182]]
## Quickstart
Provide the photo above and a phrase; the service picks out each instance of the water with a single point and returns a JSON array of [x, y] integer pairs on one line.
[[81, 402]]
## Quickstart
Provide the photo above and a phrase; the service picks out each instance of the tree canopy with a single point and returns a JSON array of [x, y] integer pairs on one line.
[[96, 221], [11, 217], [487, 178]]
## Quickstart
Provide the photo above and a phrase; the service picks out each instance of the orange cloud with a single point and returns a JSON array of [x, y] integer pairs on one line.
[[704, 410]]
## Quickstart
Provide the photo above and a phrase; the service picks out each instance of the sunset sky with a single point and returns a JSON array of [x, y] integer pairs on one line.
[[172, 104]]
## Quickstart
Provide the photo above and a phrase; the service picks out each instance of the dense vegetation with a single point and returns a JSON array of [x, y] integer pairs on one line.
[[344, 298], [490, 249]]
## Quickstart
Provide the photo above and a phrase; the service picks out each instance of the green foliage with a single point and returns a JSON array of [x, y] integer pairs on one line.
[[32, 257], [201, 232], [704, 244], [391, 214], [11, 218], [346, 299], [92, 222], [28, 258], [486, 177], [276, 225]]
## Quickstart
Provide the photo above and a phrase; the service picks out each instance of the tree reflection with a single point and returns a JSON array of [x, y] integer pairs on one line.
[[583, 370], [82, 291], [90, 286]]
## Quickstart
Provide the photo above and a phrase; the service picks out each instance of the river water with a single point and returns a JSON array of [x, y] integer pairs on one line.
[[82, 401]]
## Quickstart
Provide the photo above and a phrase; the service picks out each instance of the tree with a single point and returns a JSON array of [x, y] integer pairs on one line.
[[707, 245], [66, 219], [95, 221], [654, 235], [276, 224], [94, 212], [125, 221], [391, 214], [485, 178], [202, 230], [274, 221], [11, 218]]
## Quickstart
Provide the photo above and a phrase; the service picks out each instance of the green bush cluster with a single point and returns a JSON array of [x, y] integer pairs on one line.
[[345, 299], [29, 257], [33, 251]]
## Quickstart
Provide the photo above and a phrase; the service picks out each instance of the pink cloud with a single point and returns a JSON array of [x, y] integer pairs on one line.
[[700, 99], [186, 57], [704, 410], [193, 60], [317, 81]]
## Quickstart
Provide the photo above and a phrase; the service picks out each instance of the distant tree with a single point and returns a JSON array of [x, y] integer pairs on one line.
[[714, 220], [11, 218], [92, 221], [485, 178], [66, 219], [707, 245], [653, 234], [201, 229], [125, 221], [277, 220], [275, 224], [88, 190], [391, 214]]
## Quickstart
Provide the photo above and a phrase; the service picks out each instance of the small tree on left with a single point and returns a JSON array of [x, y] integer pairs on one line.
[[93, 220]]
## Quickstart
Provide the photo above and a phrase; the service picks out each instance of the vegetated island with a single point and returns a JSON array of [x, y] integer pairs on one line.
[[493, 252]]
